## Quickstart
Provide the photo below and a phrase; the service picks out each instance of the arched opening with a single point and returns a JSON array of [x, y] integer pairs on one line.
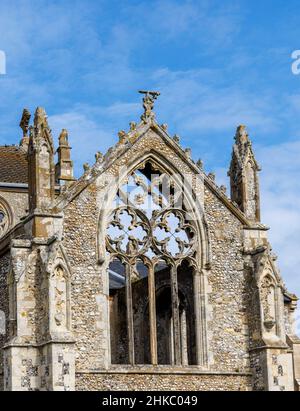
[[152, 245], [118, 312], [5, 217], [186, 273], [165, 339]]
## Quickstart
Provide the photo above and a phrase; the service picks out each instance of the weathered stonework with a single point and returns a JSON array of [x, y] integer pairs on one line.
[[162, 382], [4, 310], [209, 312]]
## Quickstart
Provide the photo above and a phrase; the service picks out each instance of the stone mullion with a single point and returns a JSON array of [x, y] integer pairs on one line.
[[175, 315], [130, 329], [152, 315], [200, 304], [184, 343]]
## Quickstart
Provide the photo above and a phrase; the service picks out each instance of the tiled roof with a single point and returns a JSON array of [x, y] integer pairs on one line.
[[13, 165]]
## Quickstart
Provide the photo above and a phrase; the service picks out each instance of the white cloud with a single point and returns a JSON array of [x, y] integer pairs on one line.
[[280, 204], [280, 187], [197, 99], [280, 200], [209, 23], [86, 137]]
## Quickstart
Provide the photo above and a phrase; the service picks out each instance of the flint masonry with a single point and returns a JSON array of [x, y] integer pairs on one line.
[[111, 281]]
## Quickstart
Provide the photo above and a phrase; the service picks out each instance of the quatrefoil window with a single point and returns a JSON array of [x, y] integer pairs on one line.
[[146, 218]]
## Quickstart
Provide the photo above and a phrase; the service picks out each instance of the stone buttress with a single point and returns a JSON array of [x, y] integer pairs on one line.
[[270, 346], [39, 352]]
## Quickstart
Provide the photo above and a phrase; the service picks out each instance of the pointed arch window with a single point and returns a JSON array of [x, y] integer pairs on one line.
[[5, 217], [153, 245]]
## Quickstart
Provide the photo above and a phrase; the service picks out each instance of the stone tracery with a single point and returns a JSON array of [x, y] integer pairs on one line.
[[149, 235]]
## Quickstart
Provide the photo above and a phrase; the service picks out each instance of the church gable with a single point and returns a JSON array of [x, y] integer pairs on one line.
[[147, 140], [144, 151], [140, 162], [143, 267]]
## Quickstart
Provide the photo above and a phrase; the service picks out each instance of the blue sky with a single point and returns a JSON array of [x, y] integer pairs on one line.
[[217, 65]]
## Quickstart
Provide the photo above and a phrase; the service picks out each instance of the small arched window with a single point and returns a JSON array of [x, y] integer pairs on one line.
[[5, 217], [152, 245]]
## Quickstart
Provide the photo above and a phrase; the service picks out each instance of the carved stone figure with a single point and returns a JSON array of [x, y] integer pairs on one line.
[[148, 104]]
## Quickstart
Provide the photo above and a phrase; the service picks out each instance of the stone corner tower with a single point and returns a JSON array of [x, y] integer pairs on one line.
[[38, 352], [243, 173]]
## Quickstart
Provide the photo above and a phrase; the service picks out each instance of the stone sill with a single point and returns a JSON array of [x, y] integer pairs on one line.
[[160, 370]]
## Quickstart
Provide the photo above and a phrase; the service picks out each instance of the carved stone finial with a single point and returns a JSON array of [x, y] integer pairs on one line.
[[148, 104], [40, 132], [200, 164], [164, 126], [243, 173], [24, 123], [98, 156], [241, 128], [122, 137], [63, 138], [241, 136], [176, 138], [223, 189], [86, 167], [132, 125], [40, 118], [188, 152], [212, 176], [64, 173]]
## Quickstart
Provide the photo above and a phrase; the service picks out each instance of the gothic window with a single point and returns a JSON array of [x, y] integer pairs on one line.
[[152, 247], [5, 218]]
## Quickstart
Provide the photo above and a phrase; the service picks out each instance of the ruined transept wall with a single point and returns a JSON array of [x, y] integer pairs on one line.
[[226, 282]]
